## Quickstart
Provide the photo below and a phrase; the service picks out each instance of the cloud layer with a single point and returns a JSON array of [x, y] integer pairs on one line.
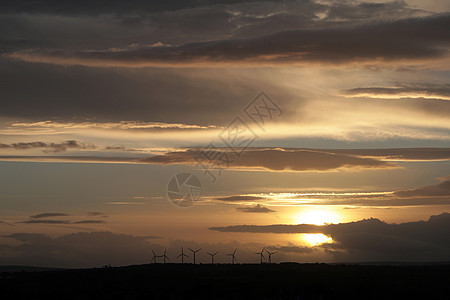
[[372, 239], [411, 39]]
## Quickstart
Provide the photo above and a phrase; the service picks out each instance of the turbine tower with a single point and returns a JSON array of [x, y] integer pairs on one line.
[[212, 256], [182, 255], [194, 252], [164, 256], [270, 255], [233, 257], [261, 255]]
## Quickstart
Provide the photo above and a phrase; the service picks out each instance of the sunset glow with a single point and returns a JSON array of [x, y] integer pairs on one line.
[[317, 130], [315, 239]]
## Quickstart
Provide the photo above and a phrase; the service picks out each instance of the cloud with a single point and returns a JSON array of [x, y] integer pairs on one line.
[[72, 7], [275, 159], [122, 125], [46, 215], [278, 160], [239, 198], [77, 250], [398, 153], [372, 239], [417, 90], [258, 208], [48, 147], [74, 24], [46, 222], [439, 190], [89, 222], [96, 214], [91, 249], [410, 39]]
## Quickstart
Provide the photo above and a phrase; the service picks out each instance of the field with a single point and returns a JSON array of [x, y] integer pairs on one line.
[[225, 281]]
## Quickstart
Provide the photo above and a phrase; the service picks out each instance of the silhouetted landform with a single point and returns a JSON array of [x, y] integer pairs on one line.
[[227, 281], [10, 269]]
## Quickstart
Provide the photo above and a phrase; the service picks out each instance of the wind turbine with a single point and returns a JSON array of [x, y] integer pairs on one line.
[[261, 254], [270, 255], [233, 257], [154, 259], [182, 255], [194, 252], [164, 256], [212, 256]]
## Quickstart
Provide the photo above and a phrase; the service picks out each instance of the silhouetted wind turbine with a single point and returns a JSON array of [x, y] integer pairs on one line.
[[182, 255], [233, 257], [154, 259], [261, 254], [194, 252], [270, 255], [212, 256], [164, 256]]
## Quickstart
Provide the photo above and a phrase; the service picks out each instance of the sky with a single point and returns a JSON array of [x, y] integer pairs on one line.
[[317, 129]]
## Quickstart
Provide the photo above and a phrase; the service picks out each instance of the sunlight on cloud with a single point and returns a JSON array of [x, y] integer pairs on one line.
[[314, 239]]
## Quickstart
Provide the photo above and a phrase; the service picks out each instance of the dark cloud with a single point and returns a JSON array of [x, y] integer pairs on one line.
[[48, 147], [89, 222], [439, 190], [398, 153], [46, 222], [279, 159], [46, 215], [99, 159], [258, 208], [77, 250], [372, 239], [34, 221], [293, 249], [410, 39], [276, 159], [301, 228], [78, 24], [96, 214], [76, 94], [239, 198], [417, 90], [72, 7]]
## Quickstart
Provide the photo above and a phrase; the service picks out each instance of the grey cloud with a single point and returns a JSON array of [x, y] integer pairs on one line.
[[48, 147], [28, 237], [46, 222], [281, 228], [92, 249], [89, 222], [439, 190], [293, 249], [45, 92], [417, 38], [276, 159], [34, 221], [258, 208], [96, 214], [239, 198], [412, 90], [77, 250], [105, 6], [398, 153], [75, 24], [279, 159], [372, 239], [46, 215]]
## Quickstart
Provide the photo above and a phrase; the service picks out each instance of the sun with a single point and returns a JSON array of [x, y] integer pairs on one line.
[[316, 217]]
